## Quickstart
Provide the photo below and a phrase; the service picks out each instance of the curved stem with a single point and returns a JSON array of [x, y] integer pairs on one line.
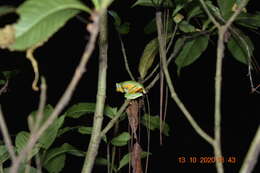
[[174, 95]]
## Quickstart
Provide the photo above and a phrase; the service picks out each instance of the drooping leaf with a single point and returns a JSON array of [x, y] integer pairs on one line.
[[191, 51], [4, 155], [195, 11], [121, 139], [153, 3], [148, 56], [185, 27], [39, 20], [10, 74], [226, 7], [126, 159], [153, 123], [101, 161], [124, 28], [21, 141], [179, 5], [249, 20], [80, 109], [55, 152], [150, 27], [241, 47], [5, 9], [65, 130], [56, 164], [87, 131], [51, 133], [117, 19]]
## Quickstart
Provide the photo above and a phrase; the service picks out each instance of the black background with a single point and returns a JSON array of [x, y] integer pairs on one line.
[[60, 55]]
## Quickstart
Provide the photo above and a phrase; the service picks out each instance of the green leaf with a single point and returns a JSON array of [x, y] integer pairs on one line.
[[147, 59], [10, 74], [117, 19], [153, 3], [80, 109], [6, 10], [85, 130], [241, 47], [195, 11], [226, 8], [121, 139], [249, 20], [150, 27], [191, 51], [2, 82], [39, 20], [51, 133], [180, 4], [56, 152], [101, 161], [185, 27], [4, 155], [21, 141], [124, 28], [66, 129], [126, 159], [56, 164], [153, 123]]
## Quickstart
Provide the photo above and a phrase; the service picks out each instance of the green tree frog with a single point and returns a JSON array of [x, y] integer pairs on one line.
[[132, 89]]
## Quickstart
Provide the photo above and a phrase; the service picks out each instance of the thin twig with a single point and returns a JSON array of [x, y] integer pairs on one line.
[[101, 97], [115, 118], [42, 102], [252, 154], [175, 53], [6, 136], [212, 18], [125, 59], [174, 95], [4, 88], [93, 28], [236, 13]]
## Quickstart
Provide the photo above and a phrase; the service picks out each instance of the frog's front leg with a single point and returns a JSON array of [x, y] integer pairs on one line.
[[130, 96]]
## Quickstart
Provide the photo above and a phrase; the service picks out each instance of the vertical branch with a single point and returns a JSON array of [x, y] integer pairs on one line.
[[6, 136], [218, 78], [174, 95], [101, 95]]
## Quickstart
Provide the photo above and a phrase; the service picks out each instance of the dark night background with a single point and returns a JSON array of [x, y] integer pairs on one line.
[[195, 86]]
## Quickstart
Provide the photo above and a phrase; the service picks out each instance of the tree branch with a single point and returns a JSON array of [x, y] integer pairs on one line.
[[93, 28], [252, 154], [162, 48], [6, 136], [101, 96]]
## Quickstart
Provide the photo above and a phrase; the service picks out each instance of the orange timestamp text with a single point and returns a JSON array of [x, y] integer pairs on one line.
[[206, 159]]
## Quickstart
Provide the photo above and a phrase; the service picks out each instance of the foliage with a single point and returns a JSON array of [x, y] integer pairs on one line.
[[188, 34]]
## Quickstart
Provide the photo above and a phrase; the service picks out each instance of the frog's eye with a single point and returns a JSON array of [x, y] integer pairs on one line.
[[119, 88]]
